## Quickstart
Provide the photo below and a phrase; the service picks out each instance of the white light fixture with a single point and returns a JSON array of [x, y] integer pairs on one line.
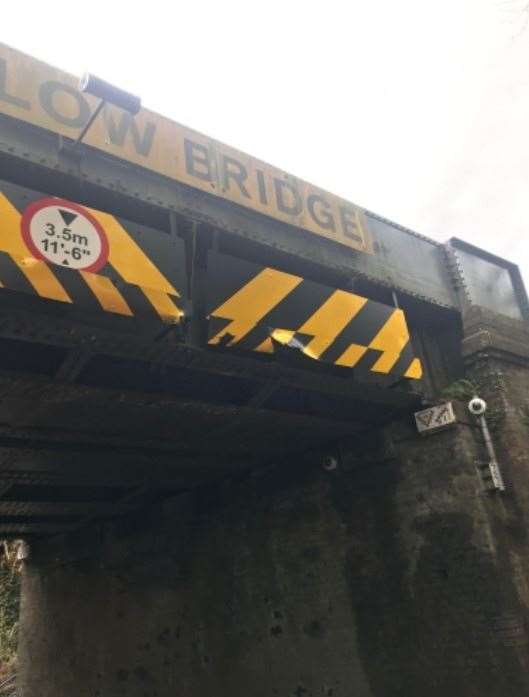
[[108, 94]]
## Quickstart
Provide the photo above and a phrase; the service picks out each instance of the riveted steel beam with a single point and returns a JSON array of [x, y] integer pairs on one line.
[[59, 332]]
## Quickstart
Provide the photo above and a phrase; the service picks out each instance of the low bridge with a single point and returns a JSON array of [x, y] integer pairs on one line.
[[208, 379]]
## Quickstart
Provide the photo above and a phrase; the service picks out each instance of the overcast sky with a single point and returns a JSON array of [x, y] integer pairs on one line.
[[416, 109]]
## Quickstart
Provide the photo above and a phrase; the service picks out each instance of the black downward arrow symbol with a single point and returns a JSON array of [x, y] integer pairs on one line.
[[67, 216]]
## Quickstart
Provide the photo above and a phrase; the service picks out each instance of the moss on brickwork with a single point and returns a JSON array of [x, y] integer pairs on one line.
[[490, 384]]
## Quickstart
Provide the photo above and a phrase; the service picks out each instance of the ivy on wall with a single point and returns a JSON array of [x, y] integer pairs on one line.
[[9, 606]]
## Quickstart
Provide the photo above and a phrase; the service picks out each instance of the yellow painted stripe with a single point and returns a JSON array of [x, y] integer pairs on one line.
[[253, 301], [10, 236], [107, 294], [415, 370], [329, 320], [351, 355], [131, 262], [391, 339], [37, 272], [42, 279], [163, 304]]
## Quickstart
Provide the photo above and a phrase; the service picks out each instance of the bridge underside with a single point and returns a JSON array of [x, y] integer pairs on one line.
[[97, 423], [101, 415]]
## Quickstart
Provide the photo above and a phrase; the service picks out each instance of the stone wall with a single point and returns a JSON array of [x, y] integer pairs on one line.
[[390, 576]]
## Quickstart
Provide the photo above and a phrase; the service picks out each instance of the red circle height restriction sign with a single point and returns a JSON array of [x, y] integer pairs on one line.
[[64, 233]]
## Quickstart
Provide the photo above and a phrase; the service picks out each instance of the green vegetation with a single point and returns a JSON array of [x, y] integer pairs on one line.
[[9, 604], [460, 389]]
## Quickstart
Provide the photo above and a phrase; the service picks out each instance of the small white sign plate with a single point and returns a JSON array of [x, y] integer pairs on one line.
[[435, 417]]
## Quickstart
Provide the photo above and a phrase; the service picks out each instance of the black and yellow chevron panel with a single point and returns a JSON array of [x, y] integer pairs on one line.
[[62, 251], [255, 308], [59, 250]]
